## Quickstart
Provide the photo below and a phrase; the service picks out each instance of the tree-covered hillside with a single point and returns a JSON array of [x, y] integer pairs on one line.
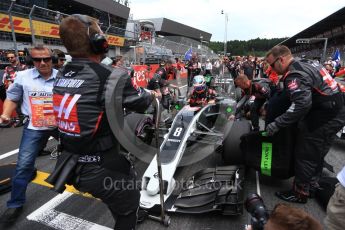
[[257, 47]]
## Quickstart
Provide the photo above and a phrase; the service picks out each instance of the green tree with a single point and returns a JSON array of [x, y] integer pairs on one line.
[[257, 47]]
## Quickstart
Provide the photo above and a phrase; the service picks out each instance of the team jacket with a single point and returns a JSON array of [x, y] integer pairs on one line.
[[159, 79], [79, 105], [197, 99], [193, 68], [260, 88], [309, 86]]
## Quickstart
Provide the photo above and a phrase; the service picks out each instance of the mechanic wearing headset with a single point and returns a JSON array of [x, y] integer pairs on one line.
[[90, 152]]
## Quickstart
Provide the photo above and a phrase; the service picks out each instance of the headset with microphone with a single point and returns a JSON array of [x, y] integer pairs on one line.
[[98, 42]]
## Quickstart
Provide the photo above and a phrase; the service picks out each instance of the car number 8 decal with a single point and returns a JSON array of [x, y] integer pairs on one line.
[[177, 132]]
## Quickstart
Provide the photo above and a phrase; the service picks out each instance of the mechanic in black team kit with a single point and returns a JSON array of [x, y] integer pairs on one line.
[[160, 84], [260, 88], [90, 157], [317, 106], [193, 68], [201, 94]]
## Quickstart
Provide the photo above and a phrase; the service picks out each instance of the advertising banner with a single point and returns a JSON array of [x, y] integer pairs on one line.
[[115, 40], [22, 26], [44, 29], [143, 73]]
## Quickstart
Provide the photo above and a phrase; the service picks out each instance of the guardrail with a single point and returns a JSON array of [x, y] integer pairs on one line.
[[42, 25]]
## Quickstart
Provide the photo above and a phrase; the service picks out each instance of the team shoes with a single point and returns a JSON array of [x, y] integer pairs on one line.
[[292, 196]]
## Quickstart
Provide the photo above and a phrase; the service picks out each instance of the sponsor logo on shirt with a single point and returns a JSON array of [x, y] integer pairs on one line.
[[69, 83], [65, 110], [40, 94], [292, 85]]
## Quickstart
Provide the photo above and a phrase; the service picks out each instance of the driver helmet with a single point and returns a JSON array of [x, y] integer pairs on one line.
[[199, 84]]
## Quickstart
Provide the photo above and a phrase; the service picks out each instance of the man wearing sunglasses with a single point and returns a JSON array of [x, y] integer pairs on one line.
[[317, 107], [59, 58], [34, 88], [10, 71], [8, 78]]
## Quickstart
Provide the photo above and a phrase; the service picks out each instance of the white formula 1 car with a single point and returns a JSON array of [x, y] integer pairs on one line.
[[195, 133]]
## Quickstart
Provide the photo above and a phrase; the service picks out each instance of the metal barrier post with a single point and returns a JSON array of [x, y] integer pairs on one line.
[[12, 27], [178, 48], [324, 50], [108, 28], [32, 26]]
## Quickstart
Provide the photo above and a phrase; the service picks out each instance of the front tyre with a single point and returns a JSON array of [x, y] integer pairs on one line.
[[232, 154]]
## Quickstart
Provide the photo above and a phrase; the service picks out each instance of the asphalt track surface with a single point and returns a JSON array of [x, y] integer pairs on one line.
[[73, 211]]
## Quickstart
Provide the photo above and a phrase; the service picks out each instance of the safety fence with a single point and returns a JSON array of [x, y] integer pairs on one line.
[[180, 48], [315, 53], [37, 25]]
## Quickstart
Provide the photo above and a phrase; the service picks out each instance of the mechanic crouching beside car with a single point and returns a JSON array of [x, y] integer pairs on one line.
[[90, 153], [260, 89], [317, 107]]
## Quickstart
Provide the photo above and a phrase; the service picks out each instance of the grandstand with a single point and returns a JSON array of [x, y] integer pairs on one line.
[[329, 31], [171, 37], [36, 21]]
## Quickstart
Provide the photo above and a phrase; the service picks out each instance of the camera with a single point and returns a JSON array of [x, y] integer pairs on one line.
[[257, 209]]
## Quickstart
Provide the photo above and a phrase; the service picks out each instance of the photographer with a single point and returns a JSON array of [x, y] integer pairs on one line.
[[283, 217], [91, 156]]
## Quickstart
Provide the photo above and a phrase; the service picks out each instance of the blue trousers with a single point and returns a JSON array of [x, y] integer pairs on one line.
[[32, 142]]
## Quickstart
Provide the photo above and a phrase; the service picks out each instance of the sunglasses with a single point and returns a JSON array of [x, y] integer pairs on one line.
[[45, 59], [272, 64], [62, 59]]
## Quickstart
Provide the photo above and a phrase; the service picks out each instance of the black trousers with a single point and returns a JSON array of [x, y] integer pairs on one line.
[[277, 105], [255, 112], [190, 78], [166, 101], [113, 181], [2, 93], [314, 139]]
